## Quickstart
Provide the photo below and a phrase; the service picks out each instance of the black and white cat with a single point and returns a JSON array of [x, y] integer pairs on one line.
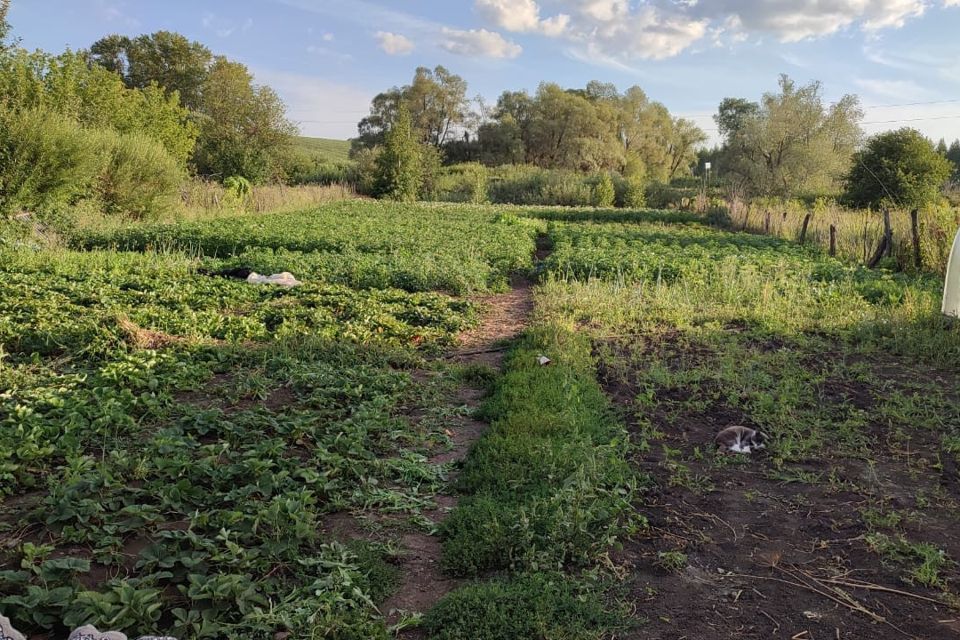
[[740, 439]]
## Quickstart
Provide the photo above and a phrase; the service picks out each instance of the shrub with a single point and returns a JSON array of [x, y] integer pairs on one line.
[[897, 169], [462, 183], [46, 161], [140, 179], [603, 192]]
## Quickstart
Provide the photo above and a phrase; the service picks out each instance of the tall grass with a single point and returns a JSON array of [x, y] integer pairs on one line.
[[203, 199], [858, 232]]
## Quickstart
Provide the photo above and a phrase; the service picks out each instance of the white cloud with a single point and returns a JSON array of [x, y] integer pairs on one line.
[[617, 31], [893, 90], [522, 16], [478, 42], [394, 43], [223, 27]]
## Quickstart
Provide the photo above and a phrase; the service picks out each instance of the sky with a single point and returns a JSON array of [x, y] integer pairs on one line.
[[328, 58]]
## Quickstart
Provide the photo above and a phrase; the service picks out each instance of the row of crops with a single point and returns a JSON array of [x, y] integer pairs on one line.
[[171, 439]]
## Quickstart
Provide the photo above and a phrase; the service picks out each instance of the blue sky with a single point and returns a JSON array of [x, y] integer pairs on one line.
[[327, 58]]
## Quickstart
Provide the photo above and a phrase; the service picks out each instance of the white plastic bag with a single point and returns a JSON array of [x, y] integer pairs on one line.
[[284, 279]]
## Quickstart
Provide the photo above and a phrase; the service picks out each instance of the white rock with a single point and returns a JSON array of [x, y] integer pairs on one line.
[[8, 632], [543, 361], [90, 632]]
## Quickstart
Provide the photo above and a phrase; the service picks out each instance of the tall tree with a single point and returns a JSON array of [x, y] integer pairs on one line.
[[436, 101], [166, 58], [791, 142], [4, 25], [399, 174], [244, 127], [953, 155], [685, 137]]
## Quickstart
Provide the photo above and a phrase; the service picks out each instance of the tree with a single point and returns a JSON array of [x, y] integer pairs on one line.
[[436, 101], [685, 136], [4, 25], [244, 129], [399, 174], [896, 169], [95, 98], [790, 142], [953, 155], [168, 59]]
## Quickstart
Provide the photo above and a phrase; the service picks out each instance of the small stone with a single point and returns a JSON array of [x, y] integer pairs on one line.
[[90, 632], [7, 632], [543, 361]]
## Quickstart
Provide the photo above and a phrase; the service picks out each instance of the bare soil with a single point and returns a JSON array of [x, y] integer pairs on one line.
[[768, 557]]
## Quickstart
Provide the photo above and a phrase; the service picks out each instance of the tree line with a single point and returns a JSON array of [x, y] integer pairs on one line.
[[790, 143], [596, 128]]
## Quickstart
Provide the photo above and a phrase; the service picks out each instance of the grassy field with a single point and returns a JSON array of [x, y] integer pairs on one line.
[[325, 148], [187, 453]]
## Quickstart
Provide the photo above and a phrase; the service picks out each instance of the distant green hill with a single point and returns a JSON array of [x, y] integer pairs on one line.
[[330, 150]]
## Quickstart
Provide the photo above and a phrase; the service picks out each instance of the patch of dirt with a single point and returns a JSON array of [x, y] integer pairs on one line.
[[769, 554]]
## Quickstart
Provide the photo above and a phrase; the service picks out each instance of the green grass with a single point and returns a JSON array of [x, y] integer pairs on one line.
[[324, 148], [457, 248], [541, 605], [547, 485]]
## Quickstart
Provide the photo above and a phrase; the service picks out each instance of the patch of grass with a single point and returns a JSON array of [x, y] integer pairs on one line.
[[548, 484], [539, 605], [925, 562], [671, 561]]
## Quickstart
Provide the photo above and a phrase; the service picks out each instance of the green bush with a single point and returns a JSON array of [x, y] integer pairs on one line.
[[140, 179], [46, 161], [462, 183], [603, 192], [531, 606]]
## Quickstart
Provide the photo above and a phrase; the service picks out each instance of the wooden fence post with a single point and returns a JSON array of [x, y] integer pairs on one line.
[[803, 230], [766, 224], [886, 243], [888, 231], [915, 230], [833, 241]]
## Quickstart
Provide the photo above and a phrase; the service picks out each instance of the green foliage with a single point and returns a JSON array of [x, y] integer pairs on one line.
[[238, 186], [399, 173], [94, 98], [462, 183], [547, 484], [46, 161], [360, 244], [897, 169], [163, 58], [539, 605], [435, 101], [790, 142], [244, 130], [603, 192], [231, 418], [140, 178]]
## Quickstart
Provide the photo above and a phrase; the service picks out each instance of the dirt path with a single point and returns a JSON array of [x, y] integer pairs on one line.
[[505, 317]]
